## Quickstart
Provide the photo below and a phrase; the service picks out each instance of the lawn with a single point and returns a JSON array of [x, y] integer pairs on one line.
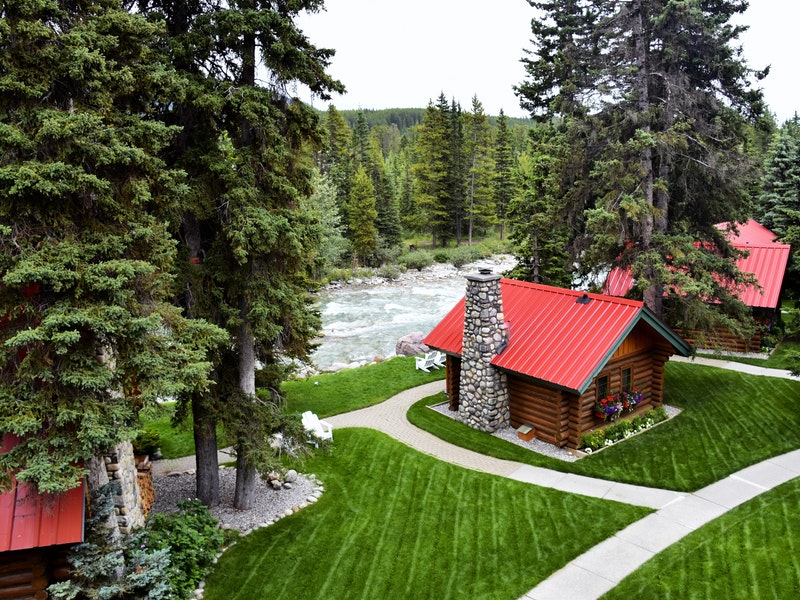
[[175, 442], [730, 420], [779, 359], [395, 523], [327, 394], [350, 389], [749, 552]]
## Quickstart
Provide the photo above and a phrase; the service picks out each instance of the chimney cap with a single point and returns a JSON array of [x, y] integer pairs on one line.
[[485, 271]]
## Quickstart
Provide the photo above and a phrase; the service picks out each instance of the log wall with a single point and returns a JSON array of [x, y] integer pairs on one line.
[[453, 376], [546, 409], [25, 574], [724, 340]]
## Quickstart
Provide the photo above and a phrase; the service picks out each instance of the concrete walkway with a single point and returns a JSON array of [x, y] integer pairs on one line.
[[602, 567]]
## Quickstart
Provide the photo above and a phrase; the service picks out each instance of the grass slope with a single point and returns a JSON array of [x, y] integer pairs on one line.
[[730, 420], [351, 389], [751, 552], [395, 523]]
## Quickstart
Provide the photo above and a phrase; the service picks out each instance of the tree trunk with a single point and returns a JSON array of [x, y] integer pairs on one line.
[[652, 296], [205, 444], [244, 497]]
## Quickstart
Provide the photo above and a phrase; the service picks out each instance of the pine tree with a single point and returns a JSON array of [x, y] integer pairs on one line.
[[89, 336], [431, 170], [660, 97], [244, 145], [538, 212], [504, 189], [480, 187], [779, 203], [362, 216]]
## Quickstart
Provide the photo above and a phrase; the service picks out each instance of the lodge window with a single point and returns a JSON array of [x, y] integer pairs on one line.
[[602, 387], [627, 379]]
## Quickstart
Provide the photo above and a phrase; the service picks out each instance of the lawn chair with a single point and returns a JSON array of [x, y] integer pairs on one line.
[[316, 426], [427, 362], [440, 358]]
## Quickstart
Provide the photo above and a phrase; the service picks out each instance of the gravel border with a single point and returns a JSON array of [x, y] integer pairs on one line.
[[271, 505], [509, 434]]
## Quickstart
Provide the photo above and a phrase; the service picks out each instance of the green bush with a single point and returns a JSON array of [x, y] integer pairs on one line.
[[441, 256], [105, 566], [464, 255], [193, 539], [147, 442], [593, 441], [390, 272], [419, 259]]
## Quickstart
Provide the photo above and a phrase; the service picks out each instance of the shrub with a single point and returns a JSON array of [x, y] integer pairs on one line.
[[593, 441], [619, 431], [147, 442], [193, 540], [390, 272], [657, 414], [418, 260], [105, 566], [464, 255], [441, 256]]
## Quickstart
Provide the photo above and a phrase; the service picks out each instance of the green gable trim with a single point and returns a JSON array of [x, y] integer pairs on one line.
[[646, 315]]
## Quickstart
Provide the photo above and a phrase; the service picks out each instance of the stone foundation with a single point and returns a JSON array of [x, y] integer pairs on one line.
[[483, 395]]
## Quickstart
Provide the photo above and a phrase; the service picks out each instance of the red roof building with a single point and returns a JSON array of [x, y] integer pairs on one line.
[[32, 520], [559, 352], [765, 259]]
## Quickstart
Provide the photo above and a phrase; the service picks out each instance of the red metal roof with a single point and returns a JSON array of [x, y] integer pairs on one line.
[[766, 260], [32, 520], [552, 337]]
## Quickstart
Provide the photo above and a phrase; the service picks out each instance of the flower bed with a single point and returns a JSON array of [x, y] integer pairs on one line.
[[601, 438], [611, 407]]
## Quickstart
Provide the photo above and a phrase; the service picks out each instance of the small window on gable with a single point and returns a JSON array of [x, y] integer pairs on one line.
[[627, 379], [602, 387]]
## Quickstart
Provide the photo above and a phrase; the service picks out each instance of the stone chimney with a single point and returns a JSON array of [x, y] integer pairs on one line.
[[483, 397]]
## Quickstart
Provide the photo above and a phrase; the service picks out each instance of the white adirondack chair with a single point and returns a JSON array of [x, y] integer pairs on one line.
[[431, 360], [319, 428]]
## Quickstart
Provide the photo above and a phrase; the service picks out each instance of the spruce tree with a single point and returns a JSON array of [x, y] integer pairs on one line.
[[480, 174], [504, 163], [362, 216], [660, 98], [245, 234], [89, 336]]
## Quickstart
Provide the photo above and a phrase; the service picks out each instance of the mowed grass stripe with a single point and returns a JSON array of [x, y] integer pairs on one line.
[[746, 553], [439, 543], [395, 513], [730, 420]]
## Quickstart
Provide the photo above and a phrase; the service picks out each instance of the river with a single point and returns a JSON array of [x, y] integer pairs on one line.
[[364, 320]]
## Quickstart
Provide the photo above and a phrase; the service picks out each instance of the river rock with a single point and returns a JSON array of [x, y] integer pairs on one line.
[[411, 345]]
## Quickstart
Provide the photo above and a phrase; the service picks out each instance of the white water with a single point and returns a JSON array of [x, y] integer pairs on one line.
[[362, 322]]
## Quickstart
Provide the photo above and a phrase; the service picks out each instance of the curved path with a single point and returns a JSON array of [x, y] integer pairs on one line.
[[594, 573]]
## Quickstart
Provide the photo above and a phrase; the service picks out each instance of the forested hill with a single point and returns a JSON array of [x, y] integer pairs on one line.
[[404, 118]]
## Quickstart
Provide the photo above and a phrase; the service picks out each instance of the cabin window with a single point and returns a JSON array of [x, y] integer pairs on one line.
[[627, 379], [602, 387]]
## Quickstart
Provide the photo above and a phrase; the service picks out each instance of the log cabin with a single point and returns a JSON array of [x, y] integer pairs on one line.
[[527, 354]]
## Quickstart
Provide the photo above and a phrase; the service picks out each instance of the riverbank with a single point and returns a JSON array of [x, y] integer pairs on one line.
[[363, 318]]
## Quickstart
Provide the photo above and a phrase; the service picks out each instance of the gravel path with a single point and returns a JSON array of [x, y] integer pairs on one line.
[[271, 504]]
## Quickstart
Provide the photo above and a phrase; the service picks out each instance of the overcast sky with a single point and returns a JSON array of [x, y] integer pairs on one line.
[[403, 53]]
